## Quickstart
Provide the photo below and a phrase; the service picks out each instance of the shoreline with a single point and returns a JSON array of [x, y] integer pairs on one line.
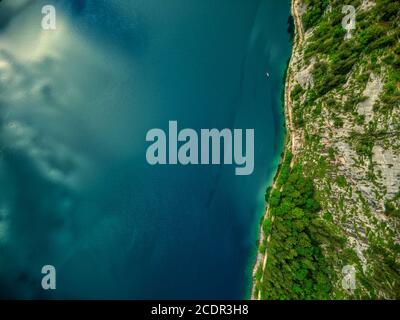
[[289, 144]]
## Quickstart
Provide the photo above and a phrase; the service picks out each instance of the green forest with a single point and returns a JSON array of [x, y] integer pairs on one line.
[[308, 247]]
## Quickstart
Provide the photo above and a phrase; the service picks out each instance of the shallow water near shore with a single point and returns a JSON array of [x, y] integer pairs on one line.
[[76, 191]]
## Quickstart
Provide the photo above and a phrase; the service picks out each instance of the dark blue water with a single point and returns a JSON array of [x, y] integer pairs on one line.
[[76, 191]]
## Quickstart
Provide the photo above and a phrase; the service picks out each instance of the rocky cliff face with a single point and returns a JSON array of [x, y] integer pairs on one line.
[[343, 114]]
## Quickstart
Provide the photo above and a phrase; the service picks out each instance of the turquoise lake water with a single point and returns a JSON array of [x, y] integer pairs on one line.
[[76, 191]]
